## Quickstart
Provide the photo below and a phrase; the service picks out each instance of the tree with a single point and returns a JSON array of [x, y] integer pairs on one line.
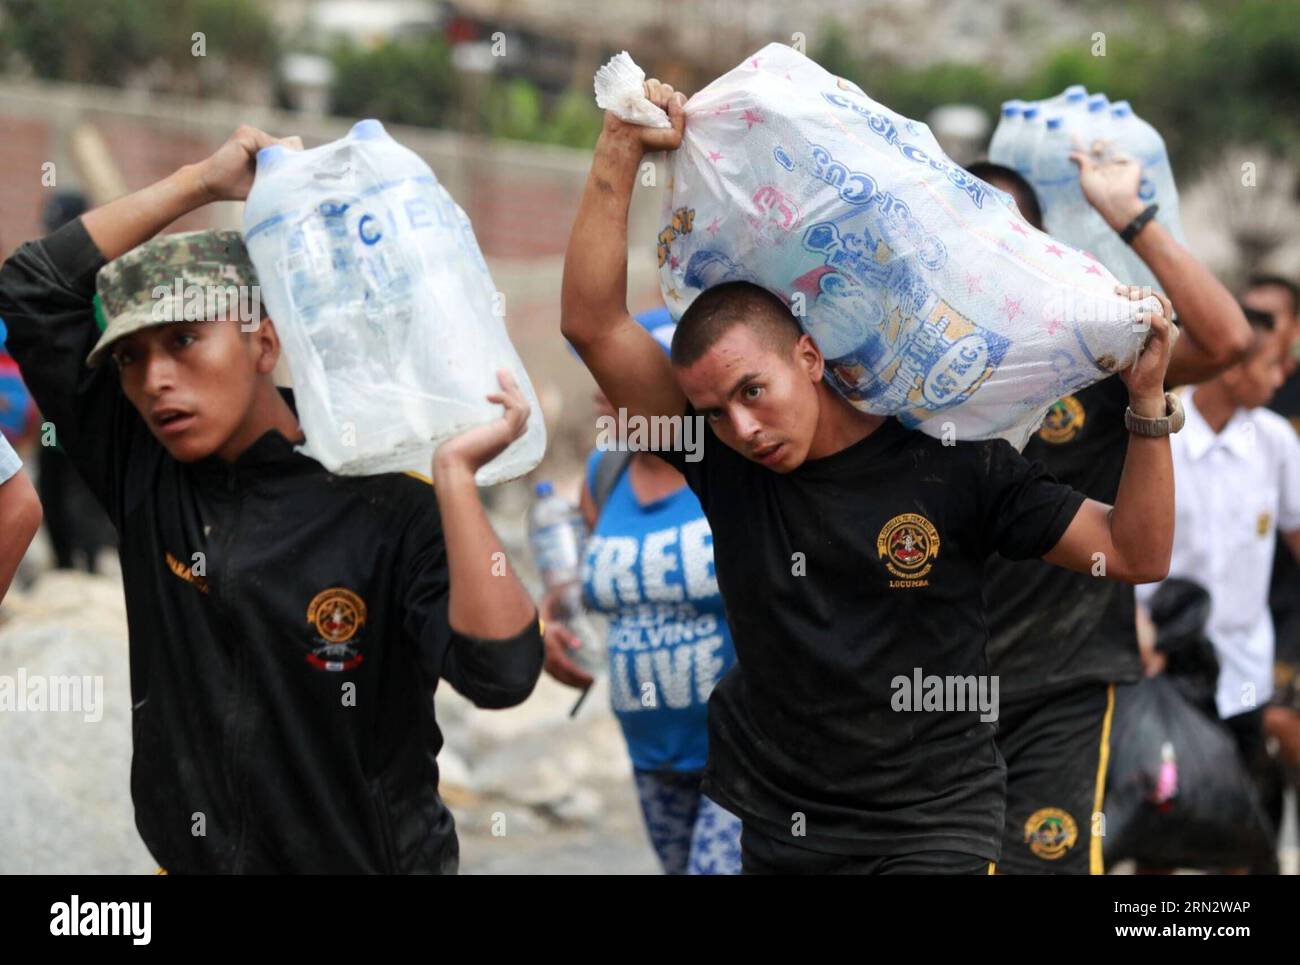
[[402, 81]]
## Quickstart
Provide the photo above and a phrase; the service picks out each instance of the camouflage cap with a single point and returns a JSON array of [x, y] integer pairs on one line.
[[194, 276]]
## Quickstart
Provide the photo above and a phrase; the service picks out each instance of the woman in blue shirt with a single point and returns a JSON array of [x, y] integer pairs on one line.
[[649, 570]]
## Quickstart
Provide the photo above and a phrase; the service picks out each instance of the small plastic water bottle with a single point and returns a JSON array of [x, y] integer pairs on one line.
[[1072, 103], [557, 535], [1026, 143], [1157, 174], [1097, 125], [1004, 138], [1056, 179]]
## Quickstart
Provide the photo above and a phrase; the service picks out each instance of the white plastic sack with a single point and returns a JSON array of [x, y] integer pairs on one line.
[[384, 303], [930, 297]]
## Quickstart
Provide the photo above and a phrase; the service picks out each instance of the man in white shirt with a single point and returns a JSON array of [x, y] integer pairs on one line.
[[1236, 485], [20, 514]]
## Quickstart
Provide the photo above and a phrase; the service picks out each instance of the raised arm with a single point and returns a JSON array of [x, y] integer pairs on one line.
[[46, 292], [625, 360], [1216, 329], [1135, 537], [486, 598], [227, 175], [20, 515]]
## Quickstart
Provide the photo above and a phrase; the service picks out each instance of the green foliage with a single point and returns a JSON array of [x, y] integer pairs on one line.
[[517, 110], [403, 81], [514, 110], [575, 121], [240, 29], [101, 42], [1236, 79]]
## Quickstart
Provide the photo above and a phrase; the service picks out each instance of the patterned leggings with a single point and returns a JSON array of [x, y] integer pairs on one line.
[[690, 833]]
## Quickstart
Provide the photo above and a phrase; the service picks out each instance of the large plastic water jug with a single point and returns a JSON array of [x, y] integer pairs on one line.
[[390, 322]]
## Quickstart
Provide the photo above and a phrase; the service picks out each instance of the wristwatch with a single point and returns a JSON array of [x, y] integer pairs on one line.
[[1167, 424]]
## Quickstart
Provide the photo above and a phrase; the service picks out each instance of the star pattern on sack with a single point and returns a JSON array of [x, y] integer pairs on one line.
[[751, 117], [724, 108], [1092, 270], [715, 156], [1053, 325], [754, 63], [1015, 226], [973, 283], [1011, 306], [1053, 250], [712, 226]]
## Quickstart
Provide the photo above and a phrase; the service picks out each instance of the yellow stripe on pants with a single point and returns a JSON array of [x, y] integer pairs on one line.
[[1095, 864]]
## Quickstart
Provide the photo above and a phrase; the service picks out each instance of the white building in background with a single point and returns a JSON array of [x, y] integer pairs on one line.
[[367, 22]]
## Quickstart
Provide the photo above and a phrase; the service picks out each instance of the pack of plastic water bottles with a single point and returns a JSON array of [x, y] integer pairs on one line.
[[384, 304], [1036, 139], [930, 297]]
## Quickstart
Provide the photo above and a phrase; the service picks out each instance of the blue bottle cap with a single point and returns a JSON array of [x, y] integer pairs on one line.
[[1032, 111], [544, 489], [1121, 109], [368, 130], [1053, 123], [1012, 108], [1075, 92], [1098, 102]]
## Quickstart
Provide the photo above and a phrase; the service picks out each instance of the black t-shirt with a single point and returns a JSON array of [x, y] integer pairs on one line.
[[1051, 628], [1286, 400], [838, 577], [1284, 595]]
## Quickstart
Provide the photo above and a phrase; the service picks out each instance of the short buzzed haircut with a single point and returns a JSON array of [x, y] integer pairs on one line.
[[1277, 281], [1005, 179], [1259, 321], [715, 311], [1261, 326]]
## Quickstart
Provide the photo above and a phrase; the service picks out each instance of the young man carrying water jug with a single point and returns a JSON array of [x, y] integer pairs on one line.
[[288, 626], [850, 553]]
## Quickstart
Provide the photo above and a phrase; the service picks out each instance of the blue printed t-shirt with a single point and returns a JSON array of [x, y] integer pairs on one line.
[[649, 570]]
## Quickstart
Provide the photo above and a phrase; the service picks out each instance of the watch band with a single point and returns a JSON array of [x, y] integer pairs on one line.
[[1138, 223], [1167, 424]]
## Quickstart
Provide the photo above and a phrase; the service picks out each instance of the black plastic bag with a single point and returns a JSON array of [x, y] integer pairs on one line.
[[1180, 609], [1177, 794]]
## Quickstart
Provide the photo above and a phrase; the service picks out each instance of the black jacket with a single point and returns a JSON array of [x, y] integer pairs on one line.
[[287, 626]]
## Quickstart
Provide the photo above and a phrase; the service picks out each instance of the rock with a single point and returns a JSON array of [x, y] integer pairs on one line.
[[583, 806]]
